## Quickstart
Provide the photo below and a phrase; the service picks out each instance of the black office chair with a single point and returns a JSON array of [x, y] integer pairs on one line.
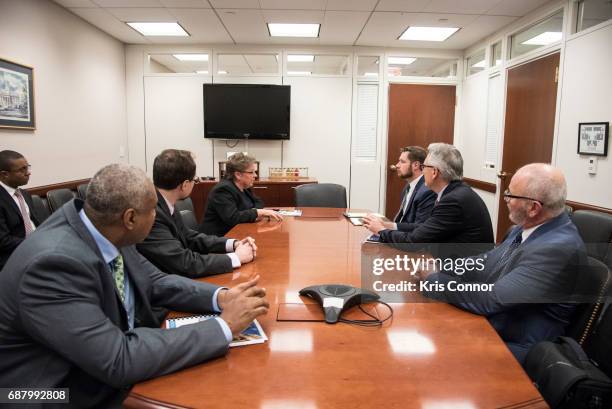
[[184, 204], [189, 219], [320, 195], [595, 228], [82, 190], [41, 208], [597, 346], [58, 197], [593, 283]]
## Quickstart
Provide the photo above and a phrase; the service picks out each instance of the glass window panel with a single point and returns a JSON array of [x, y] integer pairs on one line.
[[593, 12], [168, 63], [320, 65], [399, 66], [245, 64], [538, 35], [496, 58], [476, 63], [367, 66]]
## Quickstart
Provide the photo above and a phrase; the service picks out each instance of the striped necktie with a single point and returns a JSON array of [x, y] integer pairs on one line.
[[27, 223], [119, 275], [400, 213]]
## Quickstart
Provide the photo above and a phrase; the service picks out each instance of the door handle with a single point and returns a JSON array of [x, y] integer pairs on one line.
[[503, 175], [393, 168], [260, 187]]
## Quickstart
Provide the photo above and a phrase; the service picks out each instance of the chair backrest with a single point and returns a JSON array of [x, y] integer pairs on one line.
[[320, 195], [184, 204], [189, 219], [58, 197], [82, 190], [41, 208], [595, 228], [591, 288], [597, 346]]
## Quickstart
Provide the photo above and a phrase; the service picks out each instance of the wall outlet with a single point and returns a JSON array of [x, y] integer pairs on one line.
[[121, 151]]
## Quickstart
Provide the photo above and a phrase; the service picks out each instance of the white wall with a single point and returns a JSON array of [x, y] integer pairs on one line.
[[586, 92], [79, 91], [585, 86]]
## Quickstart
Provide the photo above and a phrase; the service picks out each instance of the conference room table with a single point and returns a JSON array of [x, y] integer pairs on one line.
[[429, 356]]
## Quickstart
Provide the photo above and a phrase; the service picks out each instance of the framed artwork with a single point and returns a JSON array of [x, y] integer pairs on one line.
[[593, 138], [16, 95]]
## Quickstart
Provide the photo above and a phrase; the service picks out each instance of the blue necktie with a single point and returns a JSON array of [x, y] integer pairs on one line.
[[511, 248]]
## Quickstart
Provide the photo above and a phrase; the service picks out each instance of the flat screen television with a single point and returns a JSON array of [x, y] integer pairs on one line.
[[246, 111]]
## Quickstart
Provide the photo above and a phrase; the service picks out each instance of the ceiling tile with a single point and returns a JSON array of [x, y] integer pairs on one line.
[[517, 8], [202, 24], [293, 4], [245, 26], [75, 3], [414, 6], [353, 5], [235, 4], [460, 7], [127, 3], [189, 4], [108, 23], [342, 27], [293, 16], [480, 28], [141, 14]]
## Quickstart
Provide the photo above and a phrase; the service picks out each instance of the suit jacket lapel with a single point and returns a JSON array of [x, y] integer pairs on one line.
[[416, 190], [8, 199]]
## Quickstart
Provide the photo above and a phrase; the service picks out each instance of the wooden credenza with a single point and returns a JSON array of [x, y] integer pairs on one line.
[[274, 193]]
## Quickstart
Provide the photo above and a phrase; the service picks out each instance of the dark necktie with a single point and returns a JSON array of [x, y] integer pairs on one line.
[[119, 275], [400, 213], [27, 223], [511, 248]]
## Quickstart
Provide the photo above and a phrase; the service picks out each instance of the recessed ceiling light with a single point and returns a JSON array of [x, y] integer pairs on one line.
[[545, 38], [293, 30], [159, 29], [479, 64], [201, 72], [299, 72], [428, 33], [191, 57], [401, 60], [222, 72], [300, 58], [371, 74]]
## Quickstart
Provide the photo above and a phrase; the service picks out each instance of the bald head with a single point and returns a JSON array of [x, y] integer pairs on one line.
[[116, 188], [543, 182]]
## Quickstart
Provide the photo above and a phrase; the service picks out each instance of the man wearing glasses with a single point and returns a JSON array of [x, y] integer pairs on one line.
[[533, 272], [173, 247], [17, 218], [459, 215]]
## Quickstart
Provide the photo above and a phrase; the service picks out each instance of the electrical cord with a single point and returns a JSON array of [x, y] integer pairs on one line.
[[376, 322]]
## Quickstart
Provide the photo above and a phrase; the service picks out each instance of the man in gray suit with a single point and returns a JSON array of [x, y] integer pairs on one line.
[[76, 300]]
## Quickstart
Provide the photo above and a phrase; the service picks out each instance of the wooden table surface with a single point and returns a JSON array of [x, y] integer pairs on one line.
[[431, 356]]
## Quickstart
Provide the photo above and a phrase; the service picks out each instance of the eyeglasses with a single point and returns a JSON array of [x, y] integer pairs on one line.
[[250, 172], [195, 180], [423, 166], [508, 196]]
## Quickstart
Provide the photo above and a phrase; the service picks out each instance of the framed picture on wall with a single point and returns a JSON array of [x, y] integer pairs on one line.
[[593, 138], [16, 95]]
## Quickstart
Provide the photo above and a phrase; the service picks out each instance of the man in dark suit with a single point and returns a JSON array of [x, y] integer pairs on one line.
[[231, 201], [76, 300], [417, 199], [532, 273], [459, 215], [17, 218], [170, 245]]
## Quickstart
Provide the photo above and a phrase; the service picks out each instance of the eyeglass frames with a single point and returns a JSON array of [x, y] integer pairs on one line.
[[508, 196]]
